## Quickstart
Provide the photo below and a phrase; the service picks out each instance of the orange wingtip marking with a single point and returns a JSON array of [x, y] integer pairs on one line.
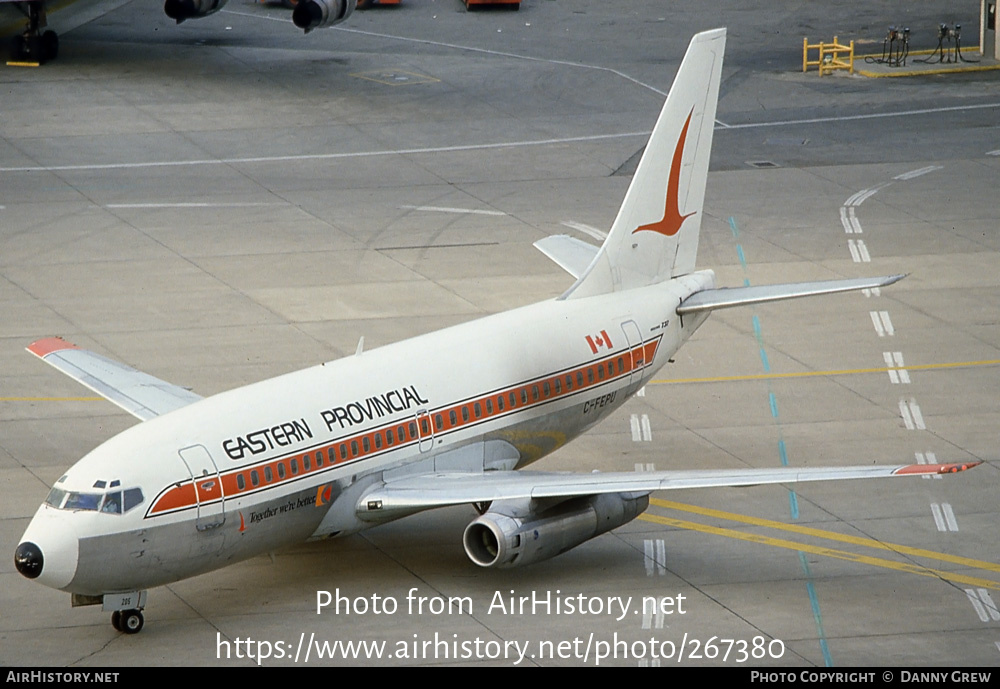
[[936, 468], [43, 348]]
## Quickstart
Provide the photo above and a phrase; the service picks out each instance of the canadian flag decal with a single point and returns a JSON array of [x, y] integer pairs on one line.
[[599, 342]]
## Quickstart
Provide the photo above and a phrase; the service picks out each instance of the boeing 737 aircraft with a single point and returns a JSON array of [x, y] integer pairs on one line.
[[37, 44], [448, 418]]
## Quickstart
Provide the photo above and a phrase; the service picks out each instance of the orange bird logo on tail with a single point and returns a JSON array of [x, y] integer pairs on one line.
[[672, 218]]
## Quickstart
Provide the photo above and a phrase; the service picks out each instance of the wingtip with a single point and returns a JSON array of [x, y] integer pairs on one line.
[[917, 469], [42, 348]]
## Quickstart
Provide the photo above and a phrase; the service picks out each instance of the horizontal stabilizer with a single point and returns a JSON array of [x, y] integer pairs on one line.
[[569, 253], [138, 393], [441, 489], [726, 297]]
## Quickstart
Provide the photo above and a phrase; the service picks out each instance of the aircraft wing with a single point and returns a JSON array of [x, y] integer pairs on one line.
[[441, 489], [138, 393]]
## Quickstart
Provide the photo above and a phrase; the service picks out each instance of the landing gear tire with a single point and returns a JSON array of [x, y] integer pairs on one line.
[[116, 620], [131, 621], [34, 45], [50, 46]]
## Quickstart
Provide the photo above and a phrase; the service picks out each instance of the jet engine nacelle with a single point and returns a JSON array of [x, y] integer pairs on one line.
[[315, 14], [179, 10], [512, 534]]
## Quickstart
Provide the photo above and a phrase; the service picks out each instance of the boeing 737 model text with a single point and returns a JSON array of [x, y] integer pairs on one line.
[[357, 442]]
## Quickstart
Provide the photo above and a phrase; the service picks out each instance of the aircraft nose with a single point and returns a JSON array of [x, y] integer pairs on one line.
[[28, 560]]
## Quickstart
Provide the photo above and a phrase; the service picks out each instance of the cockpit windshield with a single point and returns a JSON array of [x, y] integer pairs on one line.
[[115, 501]]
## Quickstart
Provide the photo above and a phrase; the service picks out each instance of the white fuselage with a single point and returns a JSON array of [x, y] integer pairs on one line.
[[290, 458]]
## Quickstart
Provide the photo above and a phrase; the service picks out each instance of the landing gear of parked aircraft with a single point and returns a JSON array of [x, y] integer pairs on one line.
[[33, 45], [127, 621]]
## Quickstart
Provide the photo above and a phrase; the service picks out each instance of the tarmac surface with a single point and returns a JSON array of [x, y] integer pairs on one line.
[[226, 200]]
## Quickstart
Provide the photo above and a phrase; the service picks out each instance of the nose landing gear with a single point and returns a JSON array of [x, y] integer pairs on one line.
[[127, 621], [33, 45]]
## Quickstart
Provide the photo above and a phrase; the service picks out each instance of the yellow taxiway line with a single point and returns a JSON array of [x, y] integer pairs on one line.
[[824, 551]]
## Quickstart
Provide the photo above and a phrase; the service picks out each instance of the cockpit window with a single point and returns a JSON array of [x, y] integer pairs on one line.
[[113, 502], [55, 497], [100, 484], [82, 501], [133, 497]]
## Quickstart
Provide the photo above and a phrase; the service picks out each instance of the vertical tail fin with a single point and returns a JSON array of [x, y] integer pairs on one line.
[[655, 236]]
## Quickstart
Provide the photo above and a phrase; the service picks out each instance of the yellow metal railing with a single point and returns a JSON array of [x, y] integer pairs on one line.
[[832, 56]]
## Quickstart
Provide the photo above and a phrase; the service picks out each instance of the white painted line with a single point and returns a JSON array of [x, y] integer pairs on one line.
[[977, 605], [944, 517], [647, 429], [863, 250], [949, 516], [877, 322], [647, 466], [636, 433], [984, 605], [912, 417], [873, 292], [641, 392], [904, 375], [653, 616], [928, 458], [893, 374], [882, 323], [872, 116], [844, 221], [441, 209], [586, 229], [318, 156], [655, 552], [917, 173], [859, 252], [486, 51], [855, 256], [938, 519], [855, 224], [189, 205]]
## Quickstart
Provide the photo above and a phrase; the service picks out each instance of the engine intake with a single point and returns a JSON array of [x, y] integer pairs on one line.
[[315, 14], [510, 534]]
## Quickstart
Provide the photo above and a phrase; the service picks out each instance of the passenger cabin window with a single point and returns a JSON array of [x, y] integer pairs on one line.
[[241, 482]]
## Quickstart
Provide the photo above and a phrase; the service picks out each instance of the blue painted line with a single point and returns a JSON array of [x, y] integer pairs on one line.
[[793, 499], [817, 615]]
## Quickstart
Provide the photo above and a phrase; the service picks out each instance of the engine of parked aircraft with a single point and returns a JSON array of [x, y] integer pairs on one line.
[[179, 10], [316, 14], [511, 534]]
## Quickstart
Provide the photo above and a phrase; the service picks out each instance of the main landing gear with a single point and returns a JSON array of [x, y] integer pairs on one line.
[[127, 621], [33, 45]]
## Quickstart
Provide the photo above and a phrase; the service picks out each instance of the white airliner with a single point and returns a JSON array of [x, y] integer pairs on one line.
[[443, 419], [37, 43]]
